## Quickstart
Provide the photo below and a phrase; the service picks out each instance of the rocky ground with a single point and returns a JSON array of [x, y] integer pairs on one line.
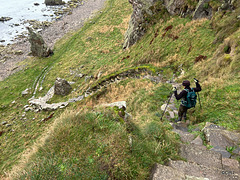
[[12, 55]]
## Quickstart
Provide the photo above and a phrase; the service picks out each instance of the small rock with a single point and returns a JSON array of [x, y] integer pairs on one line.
[[80, 75], [36, 4], [28, 109], [87, 78], [4, 122], [19, 52], [14, 102], [25, 92], [8, 125], [26, 106]]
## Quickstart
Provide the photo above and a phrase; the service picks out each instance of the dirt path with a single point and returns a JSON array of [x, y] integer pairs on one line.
[[10, 56]]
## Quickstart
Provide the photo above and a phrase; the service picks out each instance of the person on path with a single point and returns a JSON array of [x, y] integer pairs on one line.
[[182, 112]]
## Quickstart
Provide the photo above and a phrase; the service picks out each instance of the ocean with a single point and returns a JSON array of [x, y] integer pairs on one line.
[[20, 11]]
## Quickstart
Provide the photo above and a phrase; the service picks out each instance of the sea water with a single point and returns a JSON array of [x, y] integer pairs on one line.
[[20, 11]]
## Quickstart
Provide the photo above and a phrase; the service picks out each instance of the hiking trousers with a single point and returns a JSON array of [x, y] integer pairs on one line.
[[182, 112]]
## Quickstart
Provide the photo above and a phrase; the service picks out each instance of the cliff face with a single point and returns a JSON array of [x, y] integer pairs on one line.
[[145, 9], [137, 24]]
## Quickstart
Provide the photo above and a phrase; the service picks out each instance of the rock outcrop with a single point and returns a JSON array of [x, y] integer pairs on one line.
[[138, 23], [38, 47], [54, 2], [62, 87], [144, 11]]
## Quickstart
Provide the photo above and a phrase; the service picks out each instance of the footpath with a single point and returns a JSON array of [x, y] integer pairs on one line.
[[217, 162]]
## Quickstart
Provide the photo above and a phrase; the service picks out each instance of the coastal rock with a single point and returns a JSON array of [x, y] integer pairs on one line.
[[38, 47], [2, 19], [54, 2], [62, 87]]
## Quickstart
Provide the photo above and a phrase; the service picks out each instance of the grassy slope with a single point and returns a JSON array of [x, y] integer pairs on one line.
[[93, 139]]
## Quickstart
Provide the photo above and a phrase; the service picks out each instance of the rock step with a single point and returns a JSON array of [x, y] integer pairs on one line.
[[161, 172], [193, 169], [201, 156]]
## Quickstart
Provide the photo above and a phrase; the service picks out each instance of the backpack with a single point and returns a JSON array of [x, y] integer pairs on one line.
[[191, 99]]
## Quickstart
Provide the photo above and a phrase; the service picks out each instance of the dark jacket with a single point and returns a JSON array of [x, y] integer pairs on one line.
[[183, 94]]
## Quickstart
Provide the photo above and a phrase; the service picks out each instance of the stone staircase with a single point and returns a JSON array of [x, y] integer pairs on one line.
[[201, 163]]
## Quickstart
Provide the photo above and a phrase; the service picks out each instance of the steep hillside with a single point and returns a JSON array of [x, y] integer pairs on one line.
[[92, 139]]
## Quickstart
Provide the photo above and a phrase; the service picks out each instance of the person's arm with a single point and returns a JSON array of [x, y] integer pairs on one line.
[[179, 96], [198, 87]]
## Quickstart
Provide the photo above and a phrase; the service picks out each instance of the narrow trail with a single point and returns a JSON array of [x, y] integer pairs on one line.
[[29, 152]]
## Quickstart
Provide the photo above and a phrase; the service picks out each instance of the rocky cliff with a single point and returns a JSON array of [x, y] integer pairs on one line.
[[143, 10]]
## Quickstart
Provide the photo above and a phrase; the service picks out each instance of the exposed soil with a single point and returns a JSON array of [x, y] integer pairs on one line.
[[11, 55]]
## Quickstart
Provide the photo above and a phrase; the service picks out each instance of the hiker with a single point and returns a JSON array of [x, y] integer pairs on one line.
[[186, 102]]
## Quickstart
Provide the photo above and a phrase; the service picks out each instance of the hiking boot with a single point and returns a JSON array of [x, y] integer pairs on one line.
[[177, 120]]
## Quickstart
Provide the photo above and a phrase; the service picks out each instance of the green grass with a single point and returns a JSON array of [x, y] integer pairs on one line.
[[96, 146], [90, 141]]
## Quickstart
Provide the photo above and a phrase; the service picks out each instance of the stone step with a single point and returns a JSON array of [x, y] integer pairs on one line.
[[201, 156], [161, 172], [201, 171]]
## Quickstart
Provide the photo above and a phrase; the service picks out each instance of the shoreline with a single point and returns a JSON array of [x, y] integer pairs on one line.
[[12, 55]]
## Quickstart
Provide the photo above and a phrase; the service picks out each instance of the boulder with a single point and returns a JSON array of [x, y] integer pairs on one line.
[[203, 10], [38, 47], [54, 2], [62, 87]]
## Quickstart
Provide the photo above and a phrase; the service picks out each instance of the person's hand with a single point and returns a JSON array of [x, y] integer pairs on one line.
[[195, 80], [174, 89]]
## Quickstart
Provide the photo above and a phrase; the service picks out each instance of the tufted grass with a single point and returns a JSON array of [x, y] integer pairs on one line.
[[97, 47]]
